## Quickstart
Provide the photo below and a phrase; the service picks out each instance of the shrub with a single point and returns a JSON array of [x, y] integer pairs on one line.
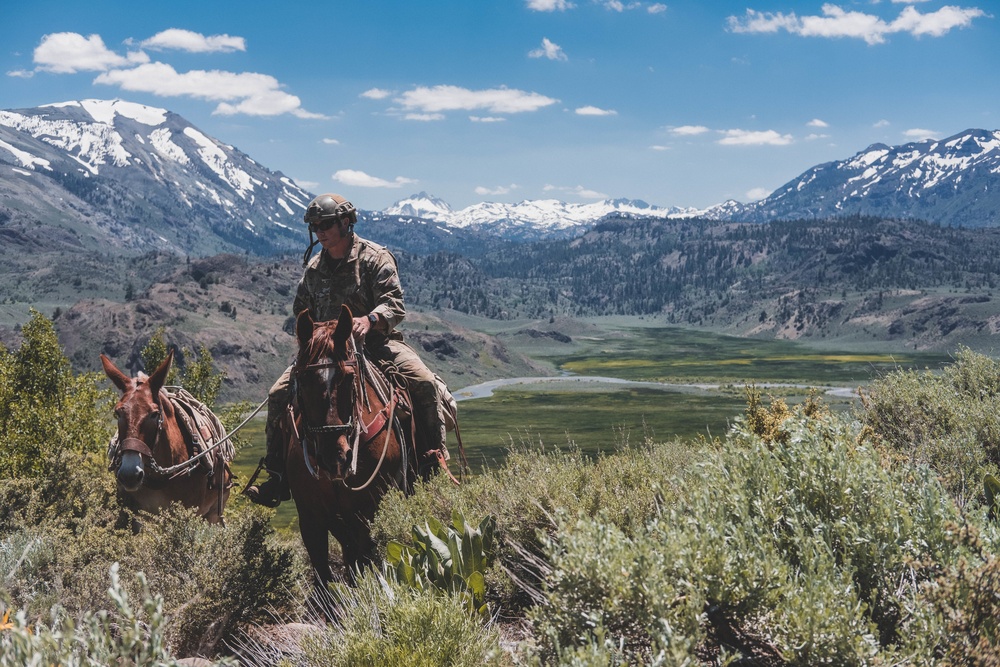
[[45, 409], [529, 489], [794, 550], [213, 579], [384, 624], [949, 421], [125, 636]]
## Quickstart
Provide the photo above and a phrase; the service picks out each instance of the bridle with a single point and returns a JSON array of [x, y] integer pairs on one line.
[[351, 369]]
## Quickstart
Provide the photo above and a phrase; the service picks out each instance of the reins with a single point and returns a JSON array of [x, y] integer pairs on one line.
[[355, 425]]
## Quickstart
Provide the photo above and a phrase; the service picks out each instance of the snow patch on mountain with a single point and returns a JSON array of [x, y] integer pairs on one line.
[[529, 218]]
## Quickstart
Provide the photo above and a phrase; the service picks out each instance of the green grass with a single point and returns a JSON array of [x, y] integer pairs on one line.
[[661, 354]]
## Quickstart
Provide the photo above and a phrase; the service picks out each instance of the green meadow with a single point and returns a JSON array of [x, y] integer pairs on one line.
[[599, 418]]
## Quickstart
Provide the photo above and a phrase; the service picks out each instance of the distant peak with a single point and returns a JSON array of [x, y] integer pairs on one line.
[[105, 111]]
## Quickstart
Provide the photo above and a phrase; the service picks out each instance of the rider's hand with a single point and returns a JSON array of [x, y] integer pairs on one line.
[[360, 326]]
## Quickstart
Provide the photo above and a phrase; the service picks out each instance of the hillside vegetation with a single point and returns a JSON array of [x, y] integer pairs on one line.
[[857, 282], [798, 538]]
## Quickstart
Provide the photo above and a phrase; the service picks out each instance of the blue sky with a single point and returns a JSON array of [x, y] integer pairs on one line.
[[683, 103]]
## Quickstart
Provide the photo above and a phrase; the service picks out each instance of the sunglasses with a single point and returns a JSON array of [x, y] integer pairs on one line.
[[323, 225]]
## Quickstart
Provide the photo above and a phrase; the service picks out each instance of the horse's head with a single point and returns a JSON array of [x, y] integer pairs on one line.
[[324, 377], [140, 419]]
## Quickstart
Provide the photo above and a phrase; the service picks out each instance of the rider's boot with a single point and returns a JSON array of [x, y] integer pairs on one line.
[[432, 447], [272, 492]]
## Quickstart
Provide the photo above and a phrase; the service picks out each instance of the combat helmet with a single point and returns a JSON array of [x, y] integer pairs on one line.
[[327, 208]]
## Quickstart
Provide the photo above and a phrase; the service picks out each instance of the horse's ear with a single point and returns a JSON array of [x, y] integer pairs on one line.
[[119, 379], [304, 328], [345, 324], [159, 376]]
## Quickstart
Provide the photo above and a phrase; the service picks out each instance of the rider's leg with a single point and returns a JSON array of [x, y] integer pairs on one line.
[[275, 489], [431, 437]]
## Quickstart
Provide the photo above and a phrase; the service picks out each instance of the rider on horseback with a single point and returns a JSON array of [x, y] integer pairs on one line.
[[363, 275]]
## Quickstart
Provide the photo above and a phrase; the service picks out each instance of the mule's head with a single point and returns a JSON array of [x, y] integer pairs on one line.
[[324, 377], [140, 419]]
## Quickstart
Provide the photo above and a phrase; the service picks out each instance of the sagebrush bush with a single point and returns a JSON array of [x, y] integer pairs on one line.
[[213, 579], [949, 421], [127, 635], [381, 623], [526, 492], [796, 550]]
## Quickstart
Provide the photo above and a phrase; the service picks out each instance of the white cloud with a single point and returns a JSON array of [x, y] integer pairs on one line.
[[837, 22], [688, 130], [656, 8], [186, 40], [486, 119], [453, 98], [587, 193], [619, 6], [360, 179], [919, 134], [754, 194], [657, 147], [549, 50], [69, 52], [21, 73], [247, 92], [814, 136], [331, 142], [425, 117], [595, 111], [578, 191], [499, 190], [816, 122], [549, 5], [754, 138], [376, 94], [882, 123]]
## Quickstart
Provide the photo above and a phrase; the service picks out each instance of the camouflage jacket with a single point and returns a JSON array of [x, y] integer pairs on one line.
[[366, 280]]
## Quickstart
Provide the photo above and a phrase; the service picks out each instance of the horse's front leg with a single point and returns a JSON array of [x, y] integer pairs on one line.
[[316, 539], [357, 545]]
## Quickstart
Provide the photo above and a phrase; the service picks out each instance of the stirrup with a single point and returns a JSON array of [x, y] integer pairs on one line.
[[433, 461]]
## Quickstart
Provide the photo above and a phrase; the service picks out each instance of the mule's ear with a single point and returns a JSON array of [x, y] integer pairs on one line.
[[119, 379], [345, 323], [159, 376], [304, 326]]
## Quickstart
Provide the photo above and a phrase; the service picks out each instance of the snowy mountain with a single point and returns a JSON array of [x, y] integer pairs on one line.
[[133, 176], [527, 220], [955, 181]]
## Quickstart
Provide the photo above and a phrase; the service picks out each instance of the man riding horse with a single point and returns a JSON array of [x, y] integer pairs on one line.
[[363, 275]]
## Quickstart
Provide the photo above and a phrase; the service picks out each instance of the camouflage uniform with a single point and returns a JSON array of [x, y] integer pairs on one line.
[[367, 281]]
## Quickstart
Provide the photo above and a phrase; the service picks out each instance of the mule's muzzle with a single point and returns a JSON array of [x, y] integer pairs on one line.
[[131, 471]]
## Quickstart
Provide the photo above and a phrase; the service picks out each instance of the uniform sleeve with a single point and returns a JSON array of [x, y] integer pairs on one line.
[[388, 294], [303, 300]]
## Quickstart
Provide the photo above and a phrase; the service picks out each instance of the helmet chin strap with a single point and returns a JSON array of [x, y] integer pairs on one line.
[[312, 244]]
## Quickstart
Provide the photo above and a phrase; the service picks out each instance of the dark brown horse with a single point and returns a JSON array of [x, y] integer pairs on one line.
[[344, 450], [156, 441]]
